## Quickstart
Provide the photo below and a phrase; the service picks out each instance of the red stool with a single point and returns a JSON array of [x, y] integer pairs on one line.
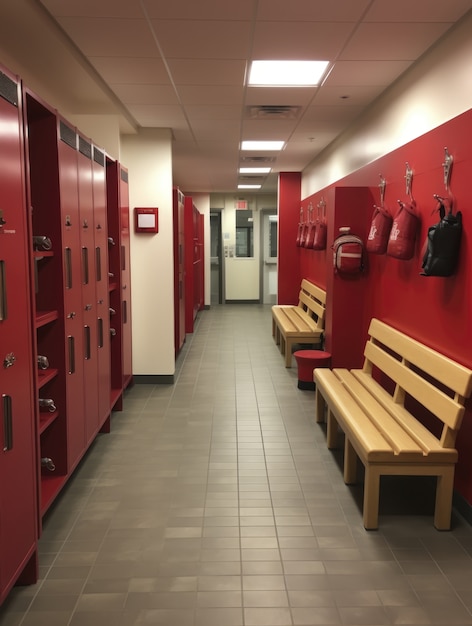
[[307, 361]]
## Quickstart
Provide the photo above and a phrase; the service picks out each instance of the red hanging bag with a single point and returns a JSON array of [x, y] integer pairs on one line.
[[319, 239], [300, 228], [310, 229], [402, 239], [379, 232]]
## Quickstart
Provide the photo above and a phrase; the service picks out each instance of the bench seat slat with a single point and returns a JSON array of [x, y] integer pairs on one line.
[[416, 430]]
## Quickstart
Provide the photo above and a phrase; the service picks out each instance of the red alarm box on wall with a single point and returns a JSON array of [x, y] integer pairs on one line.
[[146, 220]]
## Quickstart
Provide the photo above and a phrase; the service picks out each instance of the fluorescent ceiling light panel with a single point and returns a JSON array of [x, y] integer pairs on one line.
[[254, 170], [249, 186], [262, 145], [287, 73]]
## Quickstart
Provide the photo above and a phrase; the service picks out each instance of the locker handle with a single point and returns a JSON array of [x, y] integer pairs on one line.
[[7, 423], [71, 346], [85, 266], [68, 268], [87, 342], [3, 293], [98, 263], [100, 332]]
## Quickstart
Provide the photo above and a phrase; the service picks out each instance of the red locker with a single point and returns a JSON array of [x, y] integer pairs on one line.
[[100, 229], [18, 503], [179, 268], [72, 283], [125, 277], [88, 289]]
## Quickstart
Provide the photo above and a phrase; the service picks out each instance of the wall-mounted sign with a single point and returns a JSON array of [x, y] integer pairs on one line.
[[146, 220]]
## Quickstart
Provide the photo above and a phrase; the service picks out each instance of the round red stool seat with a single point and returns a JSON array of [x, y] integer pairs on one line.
[[307, 361]]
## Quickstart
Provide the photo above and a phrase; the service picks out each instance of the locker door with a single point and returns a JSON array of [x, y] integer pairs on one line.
[[101, 285], [74, 325], [18, 496], [89, 301], [125, 278]]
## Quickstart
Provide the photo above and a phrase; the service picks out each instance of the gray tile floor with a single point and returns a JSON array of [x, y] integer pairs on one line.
[[215, 502]]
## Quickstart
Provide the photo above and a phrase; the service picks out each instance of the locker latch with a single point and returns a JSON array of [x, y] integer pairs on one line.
[[9, 360]]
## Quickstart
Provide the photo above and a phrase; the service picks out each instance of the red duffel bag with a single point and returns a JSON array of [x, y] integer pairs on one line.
[[311, 228], [319, 238], [379, 232], [402, 239]]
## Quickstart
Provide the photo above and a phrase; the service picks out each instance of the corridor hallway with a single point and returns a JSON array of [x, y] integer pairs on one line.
[[215, 502]]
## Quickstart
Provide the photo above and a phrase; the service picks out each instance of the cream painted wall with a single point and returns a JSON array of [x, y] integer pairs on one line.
[[148, 158], [432, 92]]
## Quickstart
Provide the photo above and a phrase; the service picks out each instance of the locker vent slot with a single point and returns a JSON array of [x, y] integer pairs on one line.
[[124, 176], [125, 312], [8, 89], [85, 148], [68, 135], [99, 157]]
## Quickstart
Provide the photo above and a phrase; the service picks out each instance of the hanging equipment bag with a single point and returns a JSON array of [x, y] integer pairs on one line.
[[379, 232], [401, 242], [319, 239], [443, 243], [311, 228], [348, 253]]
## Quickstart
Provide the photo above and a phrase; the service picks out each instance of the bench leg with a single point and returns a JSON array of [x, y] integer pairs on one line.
[[350, 463], [319, 407], [443, 506], [274, 326], [331, 430], [288, 353], [371, 498]]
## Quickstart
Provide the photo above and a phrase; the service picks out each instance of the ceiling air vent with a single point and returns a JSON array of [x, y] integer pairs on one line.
[[258, 159], [272, 112]]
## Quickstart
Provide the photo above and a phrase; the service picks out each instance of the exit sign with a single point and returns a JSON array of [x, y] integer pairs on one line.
[[241, 204]]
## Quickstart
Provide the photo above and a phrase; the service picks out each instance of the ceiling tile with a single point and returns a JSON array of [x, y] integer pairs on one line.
[[92, 8], [203, 39], [392, 41], [311, 10], [111, 37], [417, 11], [299, 40], [207, 71], [365, 72], [201, 10], [131, 70], [146, 94], [211, 94]]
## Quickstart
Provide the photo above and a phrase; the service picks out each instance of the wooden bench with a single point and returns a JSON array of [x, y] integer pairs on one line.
[[300, 324], [380, 428]]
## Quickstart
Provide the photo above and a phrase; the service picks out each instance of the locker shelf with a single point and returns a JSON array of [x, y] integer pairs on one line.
[[45, 376], [50, 487], [46, 419], [45, 317]]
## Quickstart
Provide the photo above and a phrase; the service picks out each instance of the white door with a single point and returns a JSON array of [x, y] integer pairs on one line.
[[269, 254]]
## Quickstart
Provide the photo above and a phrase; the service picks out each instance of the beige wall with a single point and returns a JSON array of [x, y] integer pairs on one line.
[[434, 91]]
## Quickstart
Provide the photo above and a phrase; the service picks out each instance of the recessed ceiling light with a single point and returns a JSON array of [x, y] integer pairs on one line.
[[249, 186], [286, 73], [254, 170], [262, 145]]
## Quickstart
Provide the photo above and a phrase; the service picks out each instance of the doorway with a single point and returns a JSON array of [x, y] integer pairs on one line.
[[269, 248], [216, 257]]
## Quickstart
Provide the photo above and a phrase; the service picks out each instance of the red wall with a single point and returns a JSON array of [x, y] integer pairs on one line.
[[436, 311]]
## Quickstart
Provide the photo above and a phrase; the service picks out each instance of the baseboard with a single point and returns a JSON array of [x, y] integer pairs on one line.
[[154, 379], [242, 301]]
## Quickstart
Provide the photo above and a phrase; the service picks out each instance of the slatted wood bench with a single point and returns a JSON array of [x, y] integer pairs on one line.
[[379, 427], [300, 324]]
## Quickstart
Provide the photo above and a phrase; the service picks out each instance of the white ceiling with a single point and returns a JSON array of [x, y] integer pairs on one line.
[[182, 64]]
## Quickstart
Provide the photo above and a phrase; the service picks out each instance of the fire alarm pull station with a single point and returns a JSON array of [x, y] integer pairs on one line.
[[146, 220]]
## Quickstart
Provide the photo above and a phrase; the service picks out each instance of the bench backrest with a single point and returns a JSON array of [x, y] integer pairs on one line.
[[312, 299], [438, 383]]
